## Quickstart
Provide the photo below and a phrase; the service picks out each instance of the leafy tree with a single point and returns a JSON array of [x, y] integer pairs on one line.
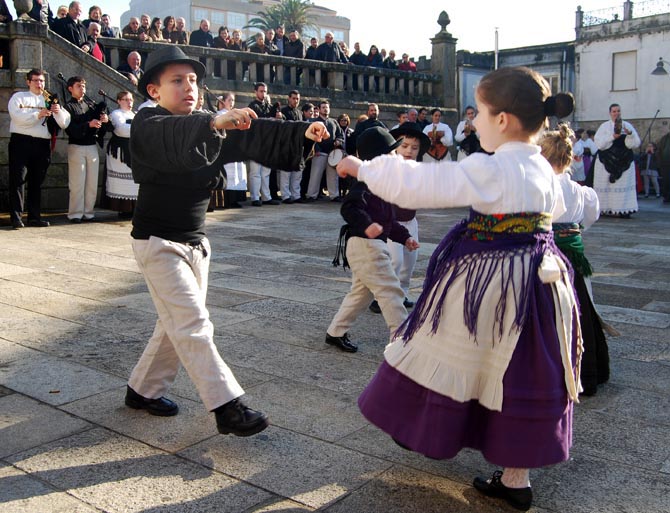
[[293, 14]]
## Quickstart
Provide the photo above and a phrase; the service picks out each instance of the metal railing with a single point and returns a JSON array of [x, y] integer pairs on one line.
[[637, 10], [602, 16]]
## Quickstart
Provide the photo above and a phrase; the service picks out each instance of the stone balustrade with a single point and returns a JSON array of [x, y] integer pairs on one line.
[[229, 69]]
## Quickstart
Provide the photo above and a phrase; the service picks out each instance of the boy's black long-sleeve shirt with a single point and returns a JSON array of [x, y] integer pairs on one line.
[[78, 130], [361, 208], [177, 160]]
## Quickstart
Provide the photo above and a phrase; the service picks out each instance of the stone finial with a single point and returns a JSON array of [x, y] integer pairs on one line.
[[23, 7], [443, 21]]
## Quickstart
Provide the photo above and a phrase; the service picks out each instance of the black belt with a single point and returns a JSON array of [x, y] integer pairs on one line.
[[197, 245]]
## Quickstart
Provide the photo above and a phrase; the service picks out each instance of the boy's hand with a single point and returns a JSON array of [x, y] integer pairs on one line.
[[317, 132], [348, 166], [374, 230], [412, 244], [236, 119]]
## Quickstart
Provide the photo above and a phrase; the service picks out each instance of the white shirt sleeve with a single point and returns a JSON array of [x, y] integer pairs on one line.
[[633, 139], [460, 132], [63, 118], [443, 184], [558, 207], [118, 119], [24, 117], [591, 207], [448, 138], [604, 136]]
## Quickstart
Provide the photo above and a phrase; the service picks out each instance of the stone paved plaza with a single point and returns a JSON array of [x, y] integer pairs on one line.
[[75, 315]]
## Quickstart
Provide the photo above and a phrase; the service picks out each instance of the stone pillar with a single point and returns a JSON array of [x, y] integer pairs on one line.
[[579, 21], [26, 39], [443, 63], [627, 10]]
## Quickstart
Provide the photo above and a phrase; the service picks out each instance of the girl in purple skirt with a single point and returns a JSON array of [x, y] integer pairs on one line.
[[489, 358]]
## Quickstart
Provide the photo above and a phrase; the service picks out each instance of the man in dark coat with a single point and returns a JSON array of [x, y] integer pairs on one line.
[[320, 158], [71, 29], [295, 49], [42, 12], [357, 57], [373, 120], [330, 51], [202, 36], [262, 179], [289, 181]]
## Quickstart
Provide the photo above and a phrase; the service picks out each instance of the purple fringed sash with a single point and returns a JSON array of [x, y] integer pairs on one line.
[[480, 248]]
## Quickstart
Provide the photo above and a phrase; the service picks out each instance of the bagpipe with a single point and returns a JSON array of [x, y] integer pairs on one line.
[[96, 109], [209, 98], [51, 99]]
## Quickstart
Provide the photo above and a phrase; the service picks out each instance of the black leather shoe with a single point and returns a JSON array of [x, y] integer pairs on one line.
[[374, 307], [407, 303], [17, 223], [238, 419], [342, 342], [272, 202], [38, 223], [518, 498], [75, 220], [160, 407]]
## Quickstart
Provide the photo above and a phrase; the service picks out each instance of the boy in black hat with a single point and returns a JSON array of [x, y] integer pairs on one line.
[[371, 221], [413, 146], [178, 155]]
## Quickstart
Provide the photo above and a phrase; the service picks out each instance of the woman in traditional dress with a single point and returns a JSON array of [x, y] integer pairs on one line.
[[614, 172], [582, 210], [120, 187], [488, 358], [236, 172]]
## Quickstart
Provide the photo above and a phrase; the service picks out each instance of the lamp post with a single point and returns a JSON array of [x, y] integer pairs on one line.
[[660, 68]]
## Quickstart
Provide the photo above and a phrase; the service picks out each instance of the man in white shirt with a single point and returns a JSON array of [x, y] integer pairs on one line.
[[29, 146]]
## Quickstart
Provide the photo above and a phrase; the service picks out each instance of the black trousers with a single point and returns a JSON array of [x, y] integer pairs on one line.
[[29, 159]]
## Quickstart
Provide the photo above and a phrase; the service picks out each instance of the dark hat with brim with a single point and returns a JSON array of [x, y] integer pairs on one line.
[[375, 141], [158, 59], [413, 130]]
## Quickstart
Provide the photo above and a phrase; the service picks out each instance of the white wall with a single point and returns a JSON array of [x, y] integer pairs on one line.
[[594, 82]]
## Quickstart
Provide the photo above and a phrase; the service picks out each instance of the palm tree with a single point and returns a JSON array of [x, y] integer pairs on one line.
[[293, 14]]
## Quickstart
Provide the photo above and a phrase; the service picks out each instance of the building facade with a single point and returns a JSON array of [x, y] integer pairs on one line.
[[555, 62], [617, 49]]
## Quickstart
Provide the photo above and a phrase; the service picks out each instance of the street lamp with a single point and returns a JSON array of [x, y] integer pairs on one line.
[[660, 69]]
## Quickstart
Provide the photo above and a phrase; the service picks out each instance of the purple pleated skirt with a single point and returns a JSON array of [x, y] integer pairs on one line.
[[534, 428]]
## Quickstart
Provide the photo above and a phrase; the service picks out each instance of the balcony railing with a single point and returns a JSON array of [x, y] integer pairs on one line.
[[229, 69]]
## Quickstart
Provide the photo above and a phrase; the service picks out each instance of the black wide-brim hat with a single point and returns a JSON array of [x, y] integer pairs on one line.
[[374, 142], [158, 59], [413, 130]]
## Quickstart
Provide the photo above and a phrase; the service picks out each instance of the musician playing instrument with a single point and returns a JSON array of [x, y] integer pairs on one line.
[[29, 146], [467, 136], [88, 126], [614, 171], [440, 136]]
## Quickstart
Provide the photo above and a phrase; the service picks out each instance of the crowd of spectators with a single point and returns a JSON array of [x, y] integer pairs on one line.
[[67, 23]]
